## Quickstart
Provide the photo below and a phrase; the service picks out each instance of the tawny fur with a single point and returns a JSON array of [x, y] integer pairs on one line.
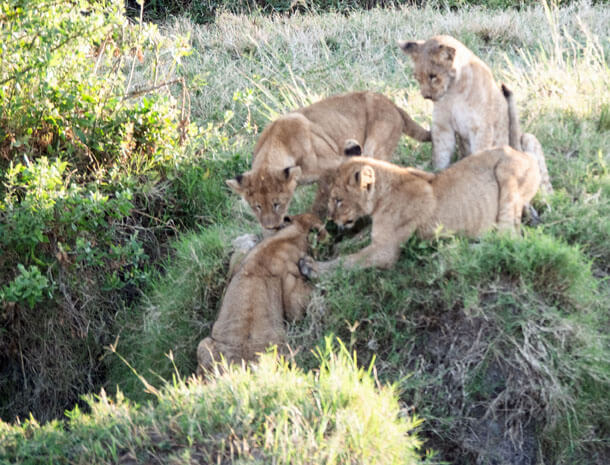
[[482, 191], [303, 146], [469, 106], [267, 289], [467, 100]]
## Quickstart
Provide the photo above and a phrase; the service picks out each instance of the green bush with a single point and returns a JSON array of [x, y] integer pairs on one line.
[[29, 287], [89, 135], [205, 11], [66, 86]]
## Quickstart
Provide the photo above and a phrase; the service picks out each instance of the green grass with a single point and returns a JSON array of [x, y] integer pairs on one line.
[[178, 311], [271, 413], [499, 344], [498, 339]]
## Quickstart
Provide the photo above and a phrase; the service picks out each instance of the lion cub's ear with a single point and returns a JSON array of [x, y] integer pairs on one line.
[[352, 148], [444, 55], [365, 178], [292, 173], [239, 183], [411, 48]]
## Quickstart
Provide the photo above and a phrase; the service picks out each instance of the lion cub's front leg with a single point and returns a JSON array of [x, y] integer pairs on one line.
[[320, 203], [383, 252], [443, 142]]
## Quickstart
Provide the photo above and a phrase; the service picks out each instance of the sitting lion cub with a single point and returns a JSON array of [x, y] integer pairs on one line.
[[467, 102], [471, 196], [301, 147], [267, 289]]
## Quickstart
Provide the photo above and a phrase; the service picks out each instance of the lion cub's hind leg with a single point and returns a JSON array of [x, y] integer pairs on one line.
[[510, 202], [532, 147], [206, 355], [518, 180], [295, 296], [381, 140]]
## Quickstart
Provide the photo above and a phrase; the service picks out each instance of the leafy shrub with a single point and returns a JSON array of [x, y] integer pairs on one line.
[[29, 287], [89, 130]]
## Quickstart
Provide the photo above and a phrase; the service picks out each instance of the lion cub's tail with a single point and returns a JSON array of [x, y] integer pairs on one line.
[[412, 129], [525, 142], [514, 129]]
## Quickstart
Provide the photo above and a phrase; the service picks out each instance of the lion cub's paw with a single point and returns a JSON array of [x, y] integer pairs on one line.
[[245, 242], [532, 218], [307, 267]]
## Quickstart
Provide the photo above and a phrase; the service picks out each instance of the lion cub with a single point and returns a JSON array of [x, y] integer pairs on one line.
[[266, 289], [485, 189], [467, 102], [303, 146]]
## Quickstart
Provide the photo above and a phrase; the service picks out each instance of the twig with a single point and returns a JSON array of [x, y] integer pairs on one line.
[[133, 63], [137, 93]]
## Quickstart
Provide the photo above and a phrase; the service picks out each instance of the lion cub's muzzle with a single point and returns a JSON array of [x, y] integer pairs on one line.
[[341, 225], [274, 226]]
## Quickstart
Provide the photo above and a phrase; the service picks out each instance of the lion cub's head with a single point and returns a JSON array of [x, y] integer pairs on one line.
[[268, 193], [351, 192], [434, 64]]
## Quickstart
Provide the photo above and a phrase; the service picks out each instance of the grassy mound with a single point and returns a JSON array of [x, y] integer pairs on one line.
[[271, 413], [505, 362], [498, 343]]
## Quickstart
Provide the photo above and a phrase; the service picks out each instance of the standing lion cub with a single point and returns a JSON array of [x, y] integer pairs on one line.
[[473, 195], [267, 289], [303, 146]]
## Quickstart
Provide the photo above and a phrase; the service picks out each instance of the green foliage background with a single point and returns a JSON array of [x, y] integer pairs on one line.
[[206, 10]]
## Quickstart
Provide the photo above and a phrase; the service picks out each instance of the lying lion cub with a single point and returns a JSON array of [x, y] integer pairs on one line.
[[304, 145], [467, 102], [267, 289], [471, 196]]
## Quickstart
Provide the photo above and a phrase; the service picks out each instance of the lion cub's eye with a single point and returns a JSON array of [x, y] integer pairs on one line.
[[258, 206], [432, 76], [276, 206], [338, 202]]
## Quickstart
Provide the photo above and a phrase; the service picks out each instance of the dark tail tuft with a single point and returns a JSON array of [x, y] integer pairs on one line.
[[514, 129]]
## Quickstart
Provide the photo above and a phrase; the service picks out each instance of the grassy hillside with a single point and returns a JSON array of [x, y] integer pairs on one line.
[[500, 344], [274, 413]]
